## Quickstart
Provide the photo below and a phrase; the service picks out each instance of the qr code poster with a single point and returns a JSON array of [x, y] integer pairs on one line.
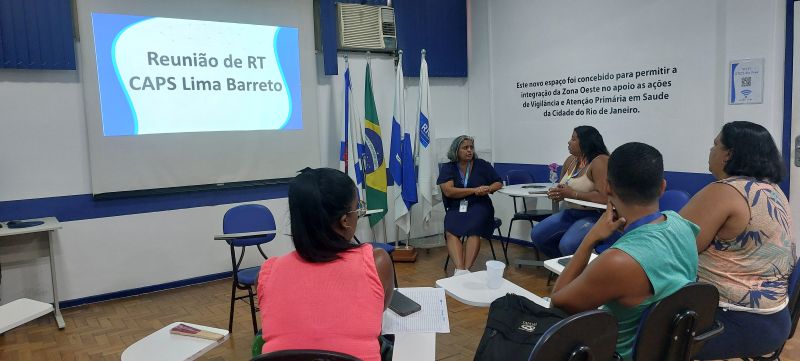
[[747, 82]]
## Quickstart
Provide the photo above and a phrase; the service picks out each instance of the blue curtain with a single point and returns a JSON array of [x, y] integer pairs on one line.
[[36, 34]]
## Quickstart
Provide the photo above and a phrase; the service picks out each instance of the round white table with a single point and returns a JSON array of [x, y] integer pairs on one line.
[[529, 190]]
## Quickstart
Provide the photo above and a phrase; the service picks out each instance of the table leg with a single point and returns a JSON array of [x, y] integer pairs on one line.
[[56, 308], [530, 262]]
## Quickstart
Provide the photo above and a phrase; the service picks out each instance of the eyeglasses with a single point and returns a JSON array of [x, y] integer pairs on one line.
[[361, 209]]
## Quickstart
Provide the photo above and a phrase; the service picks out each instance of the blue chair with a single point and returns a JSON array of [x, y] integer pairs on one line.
[[497, 224], [533, 215], [794, 313], [590, 335], [677, 326], [246, 218], [673, 200], [389, 249]]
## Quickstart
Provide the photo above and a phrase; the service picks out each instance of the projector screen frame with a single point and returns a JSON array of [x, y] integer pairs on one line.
[[192, 189], [267, 158]]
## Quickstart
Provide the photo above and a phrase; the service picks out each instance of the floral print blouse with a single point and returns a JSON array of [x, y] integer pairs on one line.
[[752, 270]]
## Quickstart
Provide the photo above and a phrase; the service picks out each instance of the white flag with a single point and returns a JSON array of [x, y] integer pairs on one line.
[[401, 163], [352, 147], [426, 153]]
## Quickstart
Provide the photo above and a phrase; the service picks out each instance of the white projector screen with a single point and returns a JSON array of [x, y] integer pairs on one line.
[[187, 93]]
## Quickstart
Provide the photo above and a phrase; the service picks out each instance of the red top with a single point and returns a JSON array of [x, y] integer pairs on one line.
[[334, 306]]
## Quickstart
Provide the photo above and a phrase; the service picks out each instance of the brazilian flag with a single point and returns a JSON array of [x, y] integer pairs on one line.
[[374, 163]]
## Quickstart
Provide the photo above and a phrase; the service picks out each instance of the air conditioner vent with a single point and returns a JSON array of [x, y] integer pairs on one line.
[[366, 27]]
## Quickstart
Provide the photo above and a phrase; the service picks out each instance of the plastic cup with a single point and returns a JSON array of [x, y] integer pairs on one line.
[[494, 273]]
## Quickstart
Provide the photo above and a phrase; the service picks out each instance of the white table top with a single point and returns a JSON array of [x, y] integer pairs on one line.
[[164, 346], [585, 203], [471, 289], [21, 311], [414, 347], [50, 224], [517, 190], [557, 268]]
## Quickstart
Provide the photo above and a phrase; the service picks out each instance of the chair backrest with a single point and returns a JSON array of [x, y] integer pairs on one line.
[[667, 329], [248, 218], [673, 200], [794, 295], [590, 335], [304, 355], [518, 176]]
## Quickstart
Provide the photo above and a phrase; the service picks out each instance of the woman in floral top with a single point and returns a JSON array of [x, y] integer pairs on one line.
[[746, 247]]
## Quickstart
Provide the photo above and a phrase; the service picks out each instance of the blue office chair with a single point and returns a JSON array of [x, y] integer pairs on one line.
[[497, 223], [677, 326], [389, 249], [794, 313], [533, 215], [246, 218], [585, 336], [673, 200]]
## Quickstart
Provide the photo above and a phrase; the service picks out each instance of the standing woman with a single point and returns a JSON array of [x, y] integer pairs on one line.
[[330, 293], [562, 233], [466, 183], [745, 245]]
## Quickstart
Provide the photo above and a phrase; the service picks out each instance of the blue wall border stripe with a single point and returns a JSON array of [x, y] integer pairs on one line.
[[84, 206], [786, 144], [143, 290], [686, 181]]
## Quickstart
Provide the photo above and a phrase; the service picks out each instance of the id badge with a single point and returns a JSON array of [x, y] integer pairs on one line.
[[462, 207]]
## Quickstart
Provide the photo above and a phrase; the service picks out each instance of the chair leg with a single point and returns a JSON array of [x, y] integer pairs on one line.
[[491, 246], [394, 271], [508, 240], [252, 309], [233, 299]]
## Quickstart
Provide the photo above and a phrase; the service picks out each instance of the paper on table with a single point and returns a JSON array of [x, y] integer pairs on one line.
[[432, 318]]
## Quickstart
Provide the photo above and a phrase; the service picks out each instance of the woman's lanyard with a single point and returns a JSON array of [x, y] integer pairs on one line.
[[642, 221], [574, 173], [465, 177]]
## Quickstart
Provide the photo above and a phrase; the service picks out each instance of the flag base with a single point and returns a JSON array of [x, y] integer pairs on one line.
[[404, 254]]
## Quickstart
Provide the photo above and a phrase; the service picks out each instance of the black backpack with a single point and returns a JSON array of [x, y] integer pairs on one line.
[[513, 327]]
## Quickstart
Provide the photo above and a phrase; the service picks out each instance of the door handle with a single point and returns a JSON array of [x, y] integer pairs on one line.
[[797, 151]]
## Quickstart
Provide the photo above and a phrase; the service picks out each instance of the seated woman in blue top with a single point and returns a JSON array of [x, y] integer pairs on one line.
[[466, 183], [655, 256], [583, 173]]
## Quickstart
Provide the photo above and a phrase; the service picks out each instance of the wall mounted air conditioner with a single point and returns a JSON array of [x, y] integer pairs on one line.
[[366, 27]]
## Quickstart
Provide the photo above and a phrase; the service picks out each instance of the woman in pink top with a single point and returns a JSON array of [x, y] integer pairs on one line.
[[746, 248], [330, 293]]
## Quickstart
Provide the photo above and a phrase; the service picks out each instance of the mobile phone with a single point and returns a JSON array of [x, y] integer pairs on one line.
[[533, 186], [564, 261], [403, 305]]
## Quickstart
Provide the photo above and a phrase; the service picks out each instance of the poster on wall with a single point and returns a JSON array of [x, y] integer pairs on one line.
[[747, 81]]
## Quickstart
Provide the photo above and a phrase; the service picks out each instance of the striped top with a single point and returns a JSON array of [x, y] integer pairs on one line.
[[751, 271]]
